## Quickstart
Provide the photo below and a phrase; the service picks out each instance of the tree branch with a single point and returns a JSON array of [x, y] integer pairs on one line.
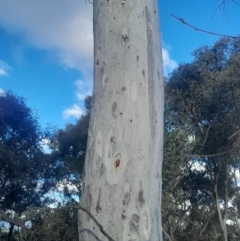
[[235, 2], [167, 236], [215, 191], [202, 30], [211, 155], [234, 134], [21, 222], [89, 1]]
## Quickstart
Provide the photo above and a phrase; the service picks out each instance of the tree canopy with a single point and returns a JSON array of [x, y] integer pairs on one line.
[[201, 143], [23, 165], [29, 176], [68, 147]]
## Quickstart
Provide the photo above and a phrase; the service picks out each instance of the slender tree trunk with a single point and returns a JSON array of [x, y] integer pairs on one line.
[[220, 217], [122, 186], [226, 201], [10, 231]]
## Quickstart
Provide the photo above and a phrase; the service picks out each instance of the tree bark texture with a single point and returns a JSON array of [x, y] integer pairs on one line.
[[122, 186]]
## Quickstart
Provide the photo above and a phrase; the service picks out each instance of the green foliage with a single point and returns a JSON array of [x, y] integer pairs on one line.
[[202, 123], [69, 149], [56, 226], [24, 168], [22, 162]]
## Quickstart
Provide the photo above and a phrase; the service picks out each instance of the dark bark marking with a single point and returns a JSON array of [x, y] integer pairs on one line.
[[98, 207], [135, 218], [114, 107], [141, 199], [126, 199], [88, 200], [102, 170], [151, 67]]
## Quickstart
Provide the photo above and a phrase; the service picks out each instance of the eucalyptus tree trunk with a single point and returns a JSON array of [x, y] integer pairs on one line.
[[122, 186]]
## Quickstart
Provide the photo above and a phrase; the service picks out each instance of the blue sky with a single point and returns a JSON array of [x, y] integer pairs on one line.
[[46, 48]]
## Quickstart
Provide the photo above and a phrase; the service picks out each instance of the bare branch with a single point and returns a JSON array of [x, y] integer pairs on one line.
[[234, 134], [21, 222], [221, 5], [211, 155], [236, 2], [202, 30], [89, 1], [175, 184]]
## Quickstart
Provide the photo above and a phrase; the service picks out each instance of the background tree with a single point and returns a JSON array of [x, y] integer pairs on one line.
[[25, 174], [68, 150], [202, 126], [31, 179], [56, 226]]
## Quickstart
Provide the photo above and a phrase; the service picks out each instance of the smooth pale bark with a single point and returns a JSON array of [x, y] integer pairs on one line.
[[122, 186]]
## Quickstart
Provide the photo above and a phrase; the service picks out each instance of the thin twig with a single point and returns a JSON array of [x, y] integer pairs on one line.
[[202, 30], [219, 7], [89, 1], [206, 136], [236, 2]]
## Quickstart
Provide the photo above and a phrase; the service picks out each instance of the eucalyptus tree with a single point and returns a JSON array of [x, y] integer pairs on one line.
[[203, 101], [122, 186], [22, 162], [68, 149]]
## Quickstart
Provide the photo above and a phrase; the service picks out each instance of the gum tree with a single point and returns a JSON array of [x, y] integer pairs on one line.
[[122, 186]]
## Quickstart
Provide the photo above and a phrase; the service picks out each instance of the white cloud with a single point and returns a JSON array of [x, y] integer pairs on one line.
[[74, 111], [3, 72], [84, 88], [4, 67], [66, 183], [61, 26], [45, 145], [199, 166], [2, 92], [168, 63]]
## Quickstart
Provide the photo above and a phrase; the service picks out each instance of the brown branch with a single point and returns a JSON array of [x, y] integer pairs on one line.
[[215, 191], [205, 225], [234, 134], [167, 236], [206, 136], [175, 184], [21, 222], [202, 30], [210, 155]]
